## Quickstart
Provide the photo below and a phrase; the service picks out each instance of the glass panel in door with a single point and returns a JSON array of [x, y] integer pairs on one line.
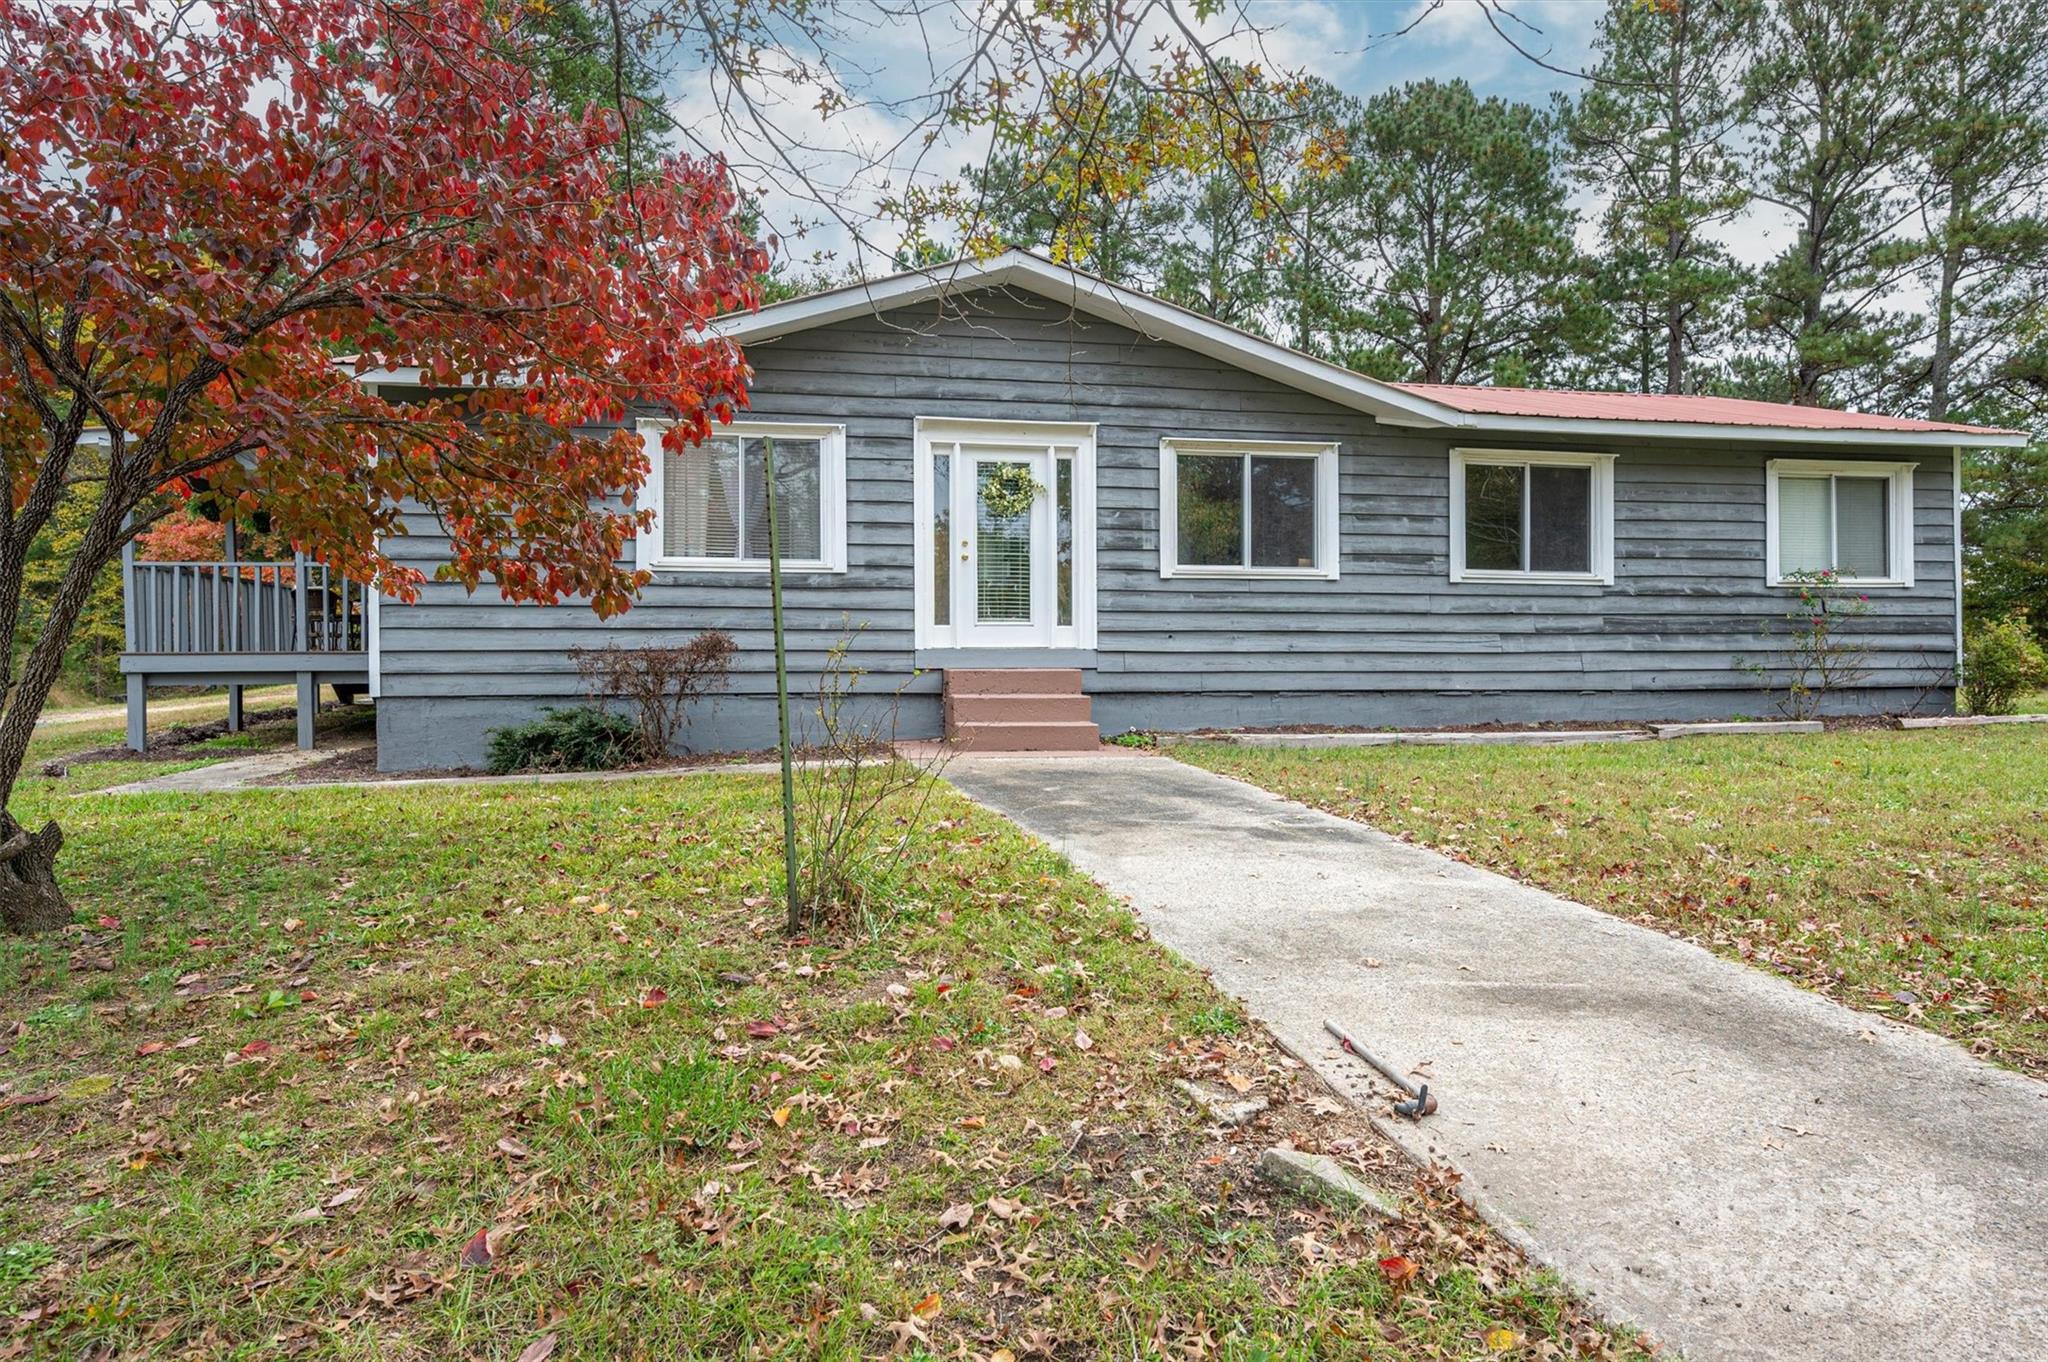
[[1002, 577]]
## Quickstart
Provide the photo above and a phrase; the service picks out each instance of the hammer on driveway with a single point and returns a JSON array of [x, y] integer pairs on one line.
[[1419, 1103]]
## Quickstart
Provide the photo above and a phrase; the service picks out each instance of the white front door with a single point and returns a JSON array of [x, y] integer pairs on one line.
[[1005, 554], [1003, 594]]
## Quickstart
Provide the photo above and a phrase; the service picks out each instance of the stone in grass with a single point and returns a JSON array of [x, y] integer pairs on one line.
[[1323, 1179], [1224, 1108]]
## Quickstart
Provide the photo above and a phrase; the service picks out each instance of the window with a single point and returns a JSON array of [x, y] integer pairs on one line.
[[1850, 518], [1247, 509], [711, 499], [1531, 516]]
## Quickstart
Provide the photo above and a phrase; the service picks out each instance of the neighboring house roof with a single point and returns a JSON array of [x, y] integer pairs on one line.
[[1516, 411]]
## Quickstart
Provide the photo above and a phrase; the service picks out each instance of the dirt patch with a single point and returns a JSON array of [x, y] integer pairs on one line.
[[173, 742]]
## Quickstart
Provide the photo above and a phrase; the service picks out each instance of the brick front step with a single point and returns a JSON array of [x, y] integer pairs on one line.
[[982, 709], [1018, 709], [1059, 736], [1013, 681]]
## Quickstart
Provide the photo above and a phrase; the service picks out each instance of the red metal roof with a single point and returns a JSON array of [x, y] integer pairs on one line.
[[1712, 411]]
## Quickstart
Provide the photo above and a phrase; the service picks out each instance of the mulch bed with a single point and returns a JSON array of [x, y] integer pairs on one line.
[[1846, 722]]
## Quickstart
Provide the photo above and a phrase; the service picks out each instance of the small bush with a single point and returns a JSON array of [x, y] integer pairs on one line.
[[582, 739], [2002, 660], [660, 683]]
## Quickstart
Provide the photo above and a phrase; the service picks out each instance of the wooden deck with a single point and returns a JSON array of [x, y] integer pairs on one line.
[[239, 623]]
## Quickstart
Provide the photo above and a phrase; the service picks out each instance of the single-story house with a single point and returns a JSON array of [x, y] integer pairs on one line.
[[1008, 466]]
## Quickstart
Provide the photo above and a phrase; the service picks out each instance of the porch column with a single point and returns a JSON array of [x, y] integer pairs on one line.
[[234, 709], [138, 712], [309, 702]]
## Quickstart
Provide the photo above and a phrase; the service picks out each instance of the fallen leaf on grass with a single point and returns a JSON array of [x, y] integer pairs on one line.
[[343, 1197], [781, 1116], [27, 1099], [1082, 1040], [957, 1217], [477, 1252], [927, 1308], [1502, 1340], [255, 1048], [513, 1149], [152, 1047], [762, 1030], [1399, 1270], [540, 1350], [654, 997]]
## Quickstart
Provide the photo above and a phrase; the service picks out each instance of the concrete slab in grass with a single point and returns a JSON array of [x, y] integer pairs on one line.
[[1538, 737], [1760, 729], [1972, 720], [1321, 1178]]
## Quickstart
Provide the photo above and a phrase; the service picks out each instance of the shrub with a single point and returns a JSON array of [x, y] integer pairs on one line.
[[660, 683], [2002, 660], [581, 739], [1817, 651], [860, 806]]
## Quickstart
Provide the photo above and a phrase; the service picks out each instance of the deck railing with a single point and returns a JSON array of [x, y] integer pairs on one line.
[[297, 606]]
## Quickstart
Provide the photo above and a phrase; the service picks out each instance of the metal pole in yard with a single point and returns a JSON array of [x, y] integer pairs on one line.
[[789, 875]]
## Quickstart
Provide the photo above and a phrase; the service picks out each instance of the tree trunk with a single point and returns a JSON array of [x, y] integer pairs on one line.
[[30, 900], [1942, 367]]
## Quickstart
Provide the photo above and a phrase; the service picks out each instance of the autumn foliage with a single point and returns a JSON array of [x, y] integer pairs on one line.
[[202, 208]]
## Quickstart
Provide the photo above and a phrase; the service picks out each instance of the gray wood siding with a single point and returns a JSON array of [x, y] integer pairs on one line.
[[1688, 599]]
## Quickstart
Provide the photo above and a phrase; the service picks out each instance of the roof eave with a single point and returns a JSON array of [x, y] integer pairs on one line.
[[1496, 423]]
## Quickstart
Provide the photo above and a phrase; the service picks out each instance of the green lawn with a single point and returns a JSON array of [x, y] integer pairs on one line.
[[1903, 873], [309, 1050]]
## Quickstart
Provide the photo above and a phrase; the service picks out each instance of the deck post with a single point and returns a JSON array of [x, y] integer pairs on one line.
[[304, 601], [138, 712], [128, 621], [309, 703], [234, 709]]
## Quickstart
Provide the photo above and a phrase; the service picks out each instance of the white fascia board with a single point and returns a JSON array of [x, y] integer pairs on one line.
[[1491, 423]]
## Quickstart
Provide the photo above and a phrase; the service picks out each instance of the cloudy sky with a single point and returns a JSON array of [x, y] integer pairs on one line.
[[858, 155]]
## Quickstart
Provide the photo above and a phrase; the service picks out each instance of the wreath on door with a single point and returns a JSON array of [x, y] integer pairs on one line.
[[1010, 490]]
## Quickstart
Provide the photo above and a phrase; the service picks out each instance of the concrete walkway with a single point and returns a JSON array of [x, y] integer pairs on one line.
[[1738, 1166]]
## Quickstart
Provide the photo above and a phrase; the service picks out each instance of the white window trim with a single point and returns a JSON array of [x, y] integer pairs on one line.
[[1329, 550], [831, 440], [957, 432], [1899, 504], [1601, 515]]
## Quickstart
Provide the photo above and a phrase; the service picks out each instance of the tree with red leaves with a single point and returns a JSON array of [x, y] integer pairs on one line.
[[202, 207]]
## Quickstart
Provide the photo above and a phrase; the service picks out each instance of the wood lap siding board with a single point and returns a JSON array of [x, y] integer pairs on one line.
[[1689, 595]]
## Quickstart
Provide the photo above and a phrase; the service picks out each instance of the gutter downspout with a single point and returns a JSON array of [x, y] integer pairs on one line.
[[1957, 498]]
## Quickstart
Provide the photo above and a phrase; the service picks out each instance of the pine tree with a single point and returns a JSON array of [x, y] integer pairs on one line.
[[1983, 144], [1833, 118], [1654, 133], [1474, 272]]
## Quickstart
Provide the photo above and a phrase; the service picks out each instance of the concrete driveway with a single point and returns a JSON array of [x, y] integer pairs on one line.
[[1735, 1165]]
